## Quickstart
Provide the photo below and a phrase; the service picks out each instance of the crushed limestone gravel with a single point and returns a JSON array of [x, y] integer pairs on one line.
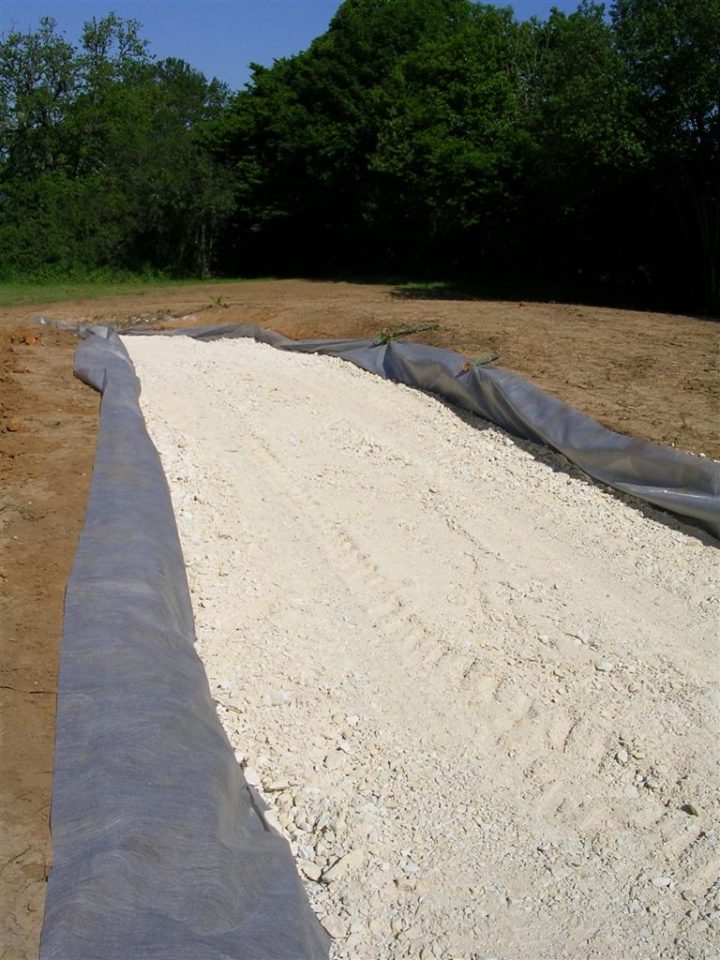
[[476, 690]]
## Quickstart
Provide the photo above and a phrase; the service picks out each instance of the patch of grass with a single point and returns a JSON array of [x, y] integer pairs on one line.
[[26, 292], [431, 286], [445, 290], [414, 289]]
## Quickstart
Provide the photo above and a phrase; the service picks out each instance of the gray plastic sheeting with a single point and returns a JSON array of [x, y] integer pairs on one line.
[[681, 483], [160, 849]]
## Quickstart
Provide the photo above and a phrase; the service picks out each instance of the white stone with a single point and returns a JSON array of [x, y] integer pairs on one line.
[[662, 881], [335, 926], [349, 862], [604, 665], [252, 776], [311, 870]]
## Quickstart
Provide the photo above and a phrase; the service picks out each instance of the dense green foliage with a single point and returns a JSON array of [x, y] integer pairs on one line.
[[573, 157], [103, 165]]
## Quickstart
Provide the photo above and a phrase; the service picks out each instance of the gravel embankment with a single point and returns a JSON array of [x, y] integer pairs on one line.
[[478, 690]]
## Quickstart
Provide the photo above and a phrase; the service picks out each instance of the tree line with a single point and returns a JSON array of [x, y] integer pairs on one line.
[[572, 157]]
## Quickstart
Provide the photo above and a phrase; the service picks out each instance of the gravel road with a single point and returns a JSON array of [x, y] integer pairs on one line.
[[477, 690]]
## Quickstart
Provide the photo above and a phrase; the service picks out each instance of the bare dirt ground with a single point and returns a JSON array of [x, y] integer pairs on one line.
[[649, 375], [646, 374], [48, 445]]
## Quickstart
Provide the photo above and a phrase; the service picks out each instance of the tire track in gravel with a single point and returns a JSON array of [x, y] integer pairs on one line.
[[405, 644], [510, 714]]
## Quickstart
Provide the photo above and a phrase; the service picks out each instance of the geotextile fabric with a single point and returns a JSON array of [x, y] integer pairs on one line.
[[681, 483], [160, 848]]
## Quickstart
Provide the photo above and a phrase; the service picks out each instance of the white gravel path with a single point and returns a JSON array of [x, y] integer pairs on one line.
[[446, 655]]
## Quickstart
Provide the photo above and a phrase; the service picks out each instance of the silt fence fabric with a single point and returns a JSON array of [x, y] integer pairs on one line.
[[160, 849], [683, 484]]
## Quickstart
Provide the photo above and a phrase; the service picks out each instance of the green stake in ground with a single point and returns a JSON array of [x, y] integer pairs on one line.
[[386, 336]]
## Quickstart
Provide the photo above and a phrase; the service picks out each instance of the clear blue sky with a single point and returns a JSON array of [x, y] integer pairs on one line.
[[219, 37]]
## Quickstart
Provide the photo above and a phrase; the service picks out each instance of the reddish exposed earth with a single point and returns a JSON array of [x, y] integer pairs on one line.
[[645, 374]]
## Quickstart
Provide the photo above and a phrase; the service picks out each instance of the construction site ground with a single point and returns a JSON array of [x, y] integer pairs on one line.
[[649, 375]]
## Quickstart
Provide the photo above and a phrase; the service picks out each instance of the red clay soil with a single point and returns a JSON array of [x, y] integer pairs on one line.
[[49, 422], [645, 374]]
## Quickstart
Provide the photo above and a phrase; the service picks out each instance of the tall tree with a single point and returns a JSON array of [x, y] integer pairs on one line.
[[438, 136], [104, 161], [38, 76], [449, 138], [584, 148], [303, 132], [672, 52]]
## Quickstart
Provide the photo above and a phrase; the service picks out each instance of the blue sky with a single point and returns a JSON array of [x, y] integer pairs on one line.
[[218, 37]]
